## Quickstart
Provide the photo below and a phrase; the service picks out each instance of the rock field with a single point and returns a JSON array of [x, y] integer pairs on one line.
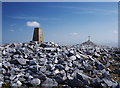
[[50, 65]]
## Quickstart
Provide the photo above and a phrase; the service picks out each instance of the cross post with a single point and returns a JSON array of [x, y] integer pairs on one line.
[[89, 38]]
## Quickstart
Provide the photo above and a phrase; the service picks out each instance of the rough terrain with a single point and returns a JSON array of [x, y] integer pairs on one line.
[[51, 65]]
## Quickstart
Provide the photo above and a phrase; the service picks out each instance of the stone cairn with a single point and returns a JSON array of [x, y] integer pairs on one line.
[[50, 65]]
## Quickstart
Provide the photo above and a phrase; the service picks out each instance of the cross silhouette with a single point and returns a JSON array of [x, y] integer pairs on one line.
[[89, 38]]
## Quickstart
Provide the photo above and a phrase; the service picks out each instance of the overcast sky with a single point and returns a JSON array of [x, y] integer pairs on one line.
[[62, 22]]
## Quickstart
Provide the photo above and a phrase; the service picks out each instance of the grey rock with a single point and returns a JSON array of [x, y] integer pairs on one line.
[[59, 66], [72, 57], [31, 62], [75, 82], [55, 61], [42, 61], [96, 82], [2, 76], [86, 82], [99, 66], [1, 83], [35, 81], [19, 83], [48, 73], [6, 65], [49, 83], [66, 68], [82, 76], [43, 69], [21, 61], [118, 86], [4, 52], [96, 54], [103, 85], [22, 79], [49, 49], [55, 72], [108, 64], [60, 61], [33, 68], [41, 75], [116, 71], [2, 71], [58, 79], [110, 83], [0, 65], [12, 77]]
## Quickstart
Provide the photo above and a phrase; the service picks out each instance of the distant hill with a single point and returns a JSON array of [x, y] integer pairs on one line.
[[89, 44]]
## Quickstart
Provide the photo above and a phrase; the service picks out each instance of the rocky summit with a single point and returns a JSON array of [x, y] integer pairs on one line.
[[50, 65]]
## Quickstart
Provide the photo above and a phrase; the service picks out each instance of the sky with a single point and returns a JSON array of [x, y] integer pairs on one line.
[[60, 0], [65, 23]]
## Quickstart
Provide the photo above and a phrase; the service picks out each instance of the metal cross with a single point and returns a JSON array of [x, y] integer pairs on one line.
[[89, 38]]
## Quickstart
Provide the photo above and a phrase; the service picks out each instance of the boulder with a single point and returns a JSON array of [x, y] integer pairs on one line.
[[35, 81], [110, 83], [31, 62], [58, 79], [21, 61], [33, 68], [72, 57], [19, 83], [116, 71], [49, 83], [82, 76], [74, 82]]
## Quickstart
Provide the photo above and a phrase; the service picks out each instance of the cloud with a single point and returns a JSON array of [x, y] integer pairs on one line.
[[11, 30], [12, 25], [80, 10], [25, 18], [115, 32], [35, 18], [32, 24], [75, 33]]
